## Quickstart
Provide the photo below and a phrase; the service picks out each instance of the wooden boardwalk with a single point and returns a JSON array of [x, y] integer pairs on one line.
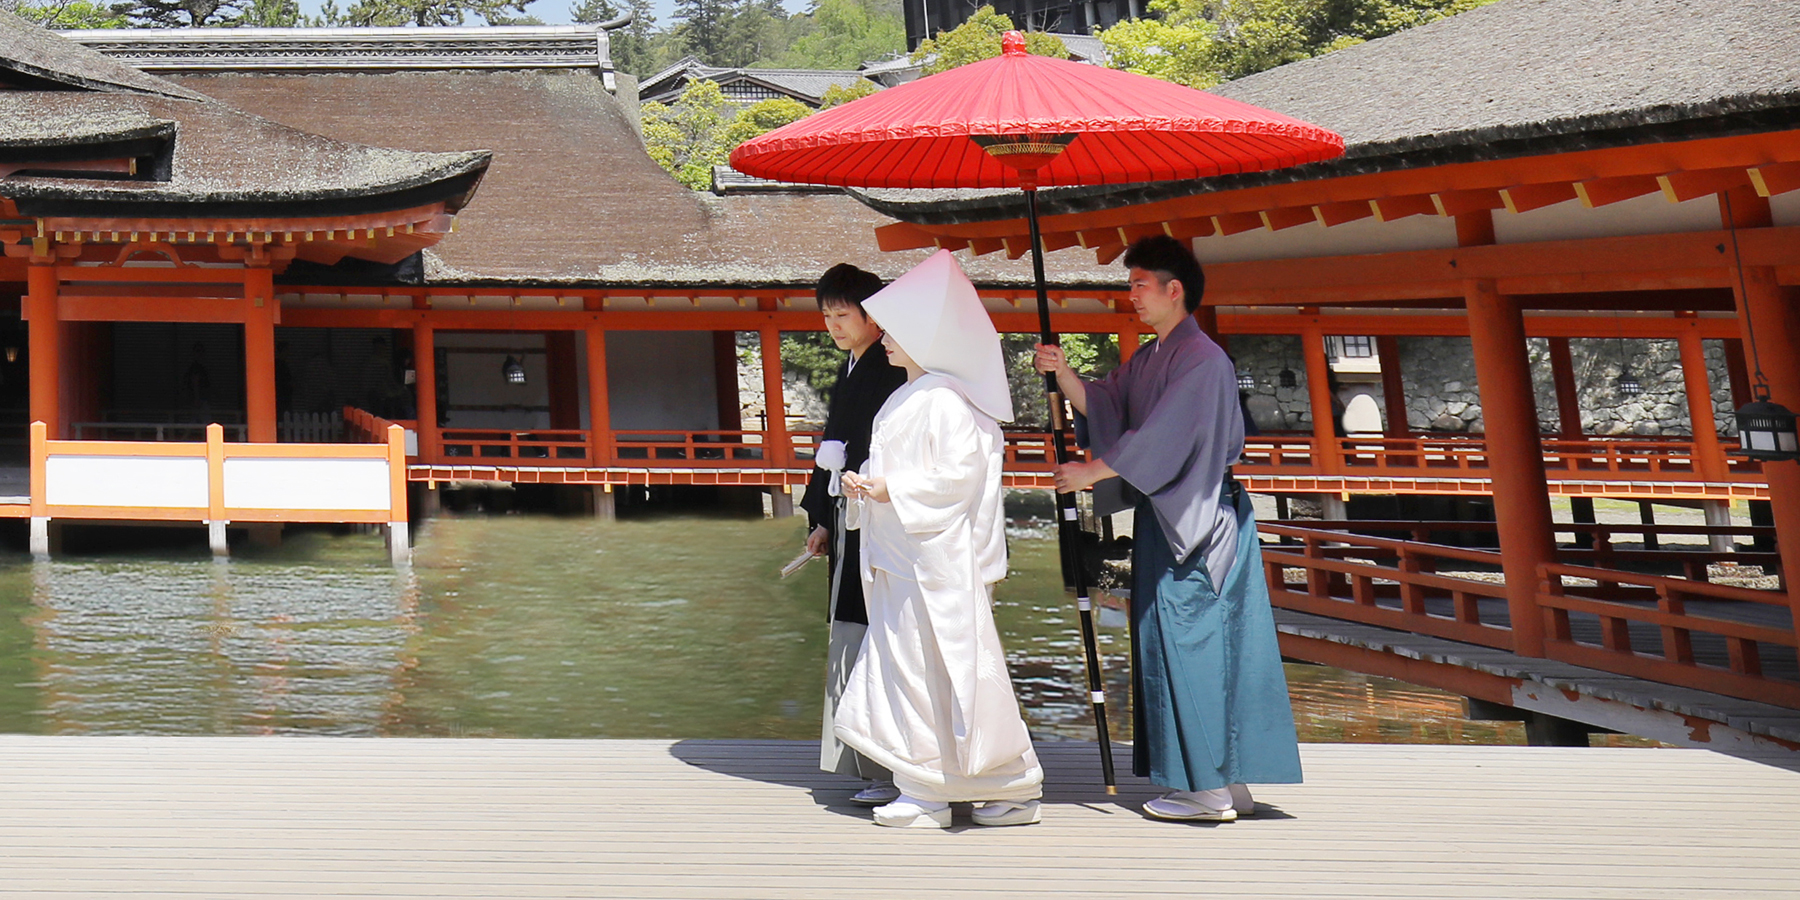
[[317, 817]]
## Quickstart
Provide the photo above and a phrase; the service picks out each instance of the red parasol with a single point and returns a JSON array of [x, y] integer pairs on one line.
[[1113, 127], [1023, 121]]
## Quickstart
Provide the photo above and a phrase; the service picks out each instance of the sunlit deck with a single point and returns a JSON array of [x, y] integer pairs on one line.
[[266, 817]]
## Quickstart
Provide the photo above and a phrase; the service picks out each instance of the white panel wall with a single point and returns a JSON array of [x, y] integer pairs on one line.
[[140, 481], [306, 484], [1569, 220], [1362, 236], [662, 379]]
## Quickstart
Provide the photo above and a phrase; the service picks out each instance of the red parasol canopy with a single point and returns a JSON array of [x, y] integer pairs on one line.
[[1118, 128]]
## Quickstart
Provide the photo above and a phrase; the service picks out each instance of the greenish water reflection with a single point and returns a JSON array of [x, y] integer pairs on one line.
[[525, 626]]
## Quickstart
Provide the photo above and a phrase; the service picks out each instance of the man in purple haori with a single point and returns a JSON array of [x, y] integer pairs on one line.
[[1210, 708]]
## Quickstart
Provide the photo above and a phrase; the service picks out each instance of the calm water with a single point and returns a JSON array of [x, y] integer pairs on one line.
[[523, 626]]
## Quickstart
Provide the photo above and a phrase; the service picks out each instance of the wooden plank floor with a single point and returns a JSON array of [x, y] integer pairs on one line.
[[316, 817]]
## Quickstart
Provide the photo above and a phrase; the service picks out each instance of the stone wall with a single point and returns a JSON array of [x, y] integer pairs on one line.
[[1443, 396]]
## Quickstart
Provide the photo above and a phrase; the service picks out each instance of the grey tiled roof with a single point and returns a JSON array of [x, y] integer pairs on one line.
[[1516, 78], [324, 49]]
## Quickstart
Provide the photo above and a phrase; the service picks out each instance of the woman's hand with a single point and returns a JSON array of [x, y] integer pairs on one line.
[[864, 487]]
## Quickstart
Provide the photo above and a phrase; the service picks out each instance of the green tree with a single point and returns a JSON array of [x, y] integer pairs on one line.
[[395, 13], [704, 26], [977, 39], [70, 14], [687, 137], [837, 94], [270, 14], [845, 34], [185, 13], [762, 117], [1175, 46], [631, 46]]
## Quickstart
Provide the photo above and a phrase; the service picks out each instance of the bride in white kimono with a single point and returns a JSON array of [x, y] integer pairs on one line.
[[930, 698]]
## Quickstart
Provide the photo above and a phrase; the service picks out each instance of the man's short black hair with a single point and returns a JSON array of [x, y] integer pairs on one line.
[[846, 285], [1170, 259]]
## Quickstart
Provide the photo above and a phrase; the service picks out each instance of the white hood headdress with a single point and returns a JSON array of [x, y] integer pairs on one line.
[[937, 318]]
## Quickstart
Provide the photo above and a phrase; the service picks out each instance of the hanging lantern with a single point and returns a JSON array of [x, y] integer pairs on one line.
[[512, 370], [1289, 379], [1246, 381], [12, 354], [1766, 430], [1628, 385]]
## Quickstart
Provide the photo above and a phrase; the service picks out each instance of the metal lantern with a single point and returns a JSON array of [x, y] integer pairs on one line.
[[1628, 384], [1289, 379], [1766, 431], [1246, 381], [512, 370]]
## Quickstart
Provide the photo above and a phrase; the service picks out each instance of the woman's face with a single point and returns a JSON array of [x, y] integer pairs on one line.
[[896, 355]]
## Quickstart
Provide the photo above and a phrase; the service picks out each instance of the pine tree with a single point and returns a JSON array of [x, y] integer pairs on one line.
[[632, 47]]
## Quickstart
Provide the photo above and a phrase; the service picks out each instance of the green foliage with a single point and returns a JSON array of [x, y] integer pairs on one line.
[[690, 136], [184, 13], [837, 94], [978, 38], [632, 47], [763, 117], [395, 13], [844, 34], [1204, 42], [271, 14], [686, 137], [71, 14], [1090, 355], [813, 356]]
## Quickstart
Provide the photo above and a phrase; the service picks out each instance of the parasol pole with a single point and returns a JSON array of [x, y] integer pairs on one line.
[[1068, 529]]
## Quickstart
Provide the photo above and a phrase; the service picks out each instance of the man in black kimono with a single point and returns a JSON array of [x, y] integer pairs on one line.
[[864, 382]]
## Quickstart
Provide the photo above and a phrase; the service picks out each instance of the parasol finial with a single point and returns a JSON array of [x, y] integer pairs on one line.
[[1012, 43]]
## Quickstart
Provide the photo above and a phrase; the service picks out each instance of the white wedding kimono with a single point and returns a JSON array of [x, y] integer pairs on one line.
[[930, 698]]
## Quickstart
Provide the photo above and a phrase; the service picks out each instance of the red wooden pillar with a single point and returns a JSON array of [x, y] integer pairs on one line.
[[1568, 400], [600, 448], [1515, 456], [725, 380], [775, 439], [1768, 316], [45, 346], [425, 399], [1328, 452], [1128, 342], [259, 354], [1515, 451], [1393, 385], [559, 370], [1709, 456]]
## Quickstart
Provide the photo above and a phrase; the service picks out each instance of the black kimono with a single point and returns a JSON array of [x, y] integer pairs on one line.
[[855, 400]]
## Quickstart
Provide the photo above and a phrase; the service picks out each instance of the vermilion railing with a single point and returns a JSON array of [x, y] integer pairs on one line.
[[1705, 636], [1729, 640], [1596, 459], [659, 448], [538, 446]]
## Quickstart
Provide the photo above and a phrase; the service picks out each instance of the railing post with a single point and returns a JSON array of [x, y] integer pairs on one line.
[[40, 482], [215, 490], [398, 538]]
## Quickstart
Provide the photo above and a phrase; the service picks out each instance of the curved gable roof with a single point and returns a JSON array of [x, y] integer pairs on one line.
[[32, 51]]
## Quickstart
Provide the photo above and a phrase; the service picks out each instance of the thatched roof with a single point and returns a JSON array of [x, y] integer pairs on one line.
[[1516, 78], [572, 198], [196, 157]]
